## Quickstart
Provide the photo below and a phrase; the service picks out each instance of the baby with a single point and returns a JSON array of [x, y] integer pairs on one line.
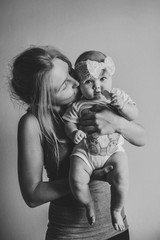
[[94, 71]]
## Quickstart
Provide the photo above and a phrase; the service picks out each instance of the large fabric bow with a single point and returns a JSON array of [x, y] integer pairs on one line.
[[95, 68]]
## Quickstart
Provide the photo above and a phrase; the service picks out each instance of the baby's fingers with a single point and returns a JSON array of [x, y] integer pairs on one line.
[[79, 136], [114, 98]]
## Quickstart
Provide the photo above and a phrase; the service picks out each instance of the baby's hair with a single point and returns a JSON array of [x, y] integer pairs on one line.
[[81, 70], [91, 55]]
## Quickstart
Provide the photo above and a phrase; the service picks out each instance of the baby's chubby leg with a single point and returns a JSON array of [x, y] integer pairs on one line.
[[79, 178], [119, 180]]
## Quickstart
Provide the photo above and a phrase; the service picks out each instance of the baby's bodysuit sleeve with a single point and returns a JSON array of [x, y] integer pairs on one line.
[[124, 95], [71, 114]]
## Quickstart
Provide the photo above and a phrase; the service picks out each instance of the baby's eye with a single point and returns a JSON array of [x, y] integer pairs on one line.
[[88, 82], [102, 79]]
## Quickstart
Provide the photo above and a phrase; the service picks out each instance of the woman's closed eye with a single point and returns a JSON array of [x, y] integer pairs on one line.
[[64, 85]]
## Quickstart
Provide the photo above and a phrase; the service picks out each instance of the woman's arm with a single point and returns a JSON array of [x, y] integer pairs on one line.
[[30, 166], [106, 122], [129, 111], [131, 131]]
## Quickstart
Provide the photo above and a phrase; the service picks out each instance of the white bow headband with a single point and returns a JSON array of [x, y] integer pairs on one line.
[[89, 68]]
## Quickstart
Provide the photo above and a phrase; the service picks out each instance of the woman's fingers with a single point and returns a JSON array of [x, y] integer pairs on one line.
[[107, 169], [90, 129], [101, 174], [101, 122], [89, 115], [86, 122]]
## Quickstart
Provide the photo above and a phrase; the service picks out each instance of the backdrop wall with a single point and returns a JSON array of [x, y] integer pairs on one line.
[[129, 31]]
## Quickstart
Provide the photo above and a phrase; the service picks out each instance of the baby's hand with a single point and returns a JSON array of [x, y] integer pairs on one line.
[[117, 101], [79, 135]]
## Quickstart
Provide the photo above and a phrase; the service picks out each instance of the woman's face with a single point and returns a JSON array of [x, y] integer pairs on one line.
[[63, 86]]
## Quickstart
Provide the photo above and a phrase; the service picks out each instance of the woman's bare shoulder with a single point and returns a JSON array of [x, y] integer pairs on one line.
[[28, 123], [28, 119]]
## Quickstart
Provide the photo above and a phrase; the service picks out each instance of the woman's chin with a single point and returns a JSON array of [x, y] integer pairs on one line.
[[70, 100]]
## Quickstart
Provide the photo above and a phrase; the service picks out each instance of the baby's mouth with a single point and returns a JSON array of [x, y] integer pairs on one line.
[[97, 95]]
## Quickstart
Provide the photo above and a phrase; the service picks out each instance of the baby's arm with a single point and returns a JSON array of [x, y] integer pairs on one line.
[[73, 132], [127, 109]]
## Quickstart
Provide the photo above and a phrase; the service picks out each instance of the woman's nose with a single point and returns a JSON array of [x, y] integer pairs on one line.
[[75, 83]]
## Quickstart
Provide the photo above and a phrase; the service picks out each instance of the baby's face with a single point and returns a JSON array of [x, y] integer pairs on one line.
[[92, 88]]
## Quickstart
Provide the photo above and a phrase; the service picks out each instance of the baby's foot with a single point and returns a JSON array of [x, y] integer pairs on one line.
[[90, 213], [117, 221]]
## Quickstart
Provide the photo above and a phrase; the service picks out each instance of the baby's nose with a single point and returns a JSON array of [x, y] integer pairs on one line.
[[97, 89]]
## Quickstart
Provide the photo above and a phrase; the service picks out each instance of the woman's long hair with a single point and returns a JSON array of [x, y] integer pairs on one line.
[[30, 82]]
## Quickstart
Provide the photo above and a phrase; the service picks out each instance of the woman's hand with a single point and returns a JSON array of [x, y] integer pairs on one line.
[[99, 119], [104, 121], [102, 173]]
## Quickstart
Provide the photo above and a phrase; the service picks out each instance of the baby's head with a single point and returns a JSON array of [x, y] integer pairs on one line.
[[94, 72]]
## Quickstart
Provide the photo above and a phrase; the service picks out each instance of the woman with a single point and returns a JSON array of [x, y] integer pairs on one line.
[[42, 78]]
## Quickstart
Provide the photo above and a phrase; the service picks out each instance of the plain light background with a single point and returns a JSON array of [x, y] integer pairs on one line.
[[129, 31]]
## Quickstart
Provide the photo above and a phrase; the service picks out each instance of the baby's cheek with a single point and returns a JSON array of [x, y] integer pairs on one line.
[[87, 93]]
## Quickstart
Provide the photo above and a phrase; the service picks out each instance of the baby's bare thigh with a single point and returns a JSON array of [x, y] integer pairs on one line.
[[119, 161], [79, 170]]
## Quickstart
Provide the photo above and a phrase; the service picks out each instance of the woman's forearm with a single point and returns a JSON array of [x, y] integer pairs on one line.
[[46, 192], [107, 122], [131, 131]]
